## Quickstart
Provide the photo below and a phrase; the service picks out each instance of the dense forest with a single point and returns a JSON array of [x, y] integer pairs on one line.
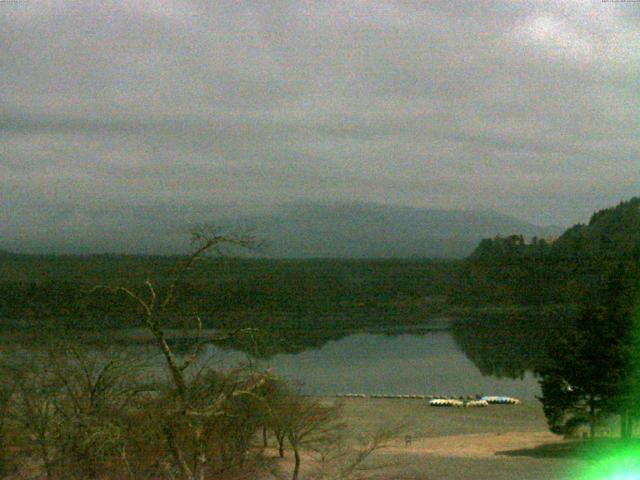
[[226, 292], [512, 271], [570, 311]]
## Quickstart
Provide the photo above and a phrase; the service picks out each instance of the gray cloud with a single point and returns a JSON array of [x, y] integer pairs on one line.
[[529, 107]]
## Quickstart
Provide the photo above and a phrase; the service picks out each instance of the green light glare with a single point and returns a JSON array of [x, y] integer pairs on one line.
[[634, 383], [621, 465], [617, 459]]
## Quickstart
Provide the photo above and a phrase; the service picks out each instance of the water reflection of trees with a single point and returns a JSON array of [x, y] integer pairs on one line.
[[265, 343], [507, 344], [501, 343]]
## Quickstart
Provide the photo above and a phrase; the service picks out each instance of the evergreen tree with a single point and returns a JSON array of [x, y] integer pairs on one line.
[[594, 364]]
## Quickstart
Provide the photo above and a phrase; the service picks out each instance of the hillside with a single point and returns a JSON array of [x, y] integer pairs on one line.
[[583, 260]]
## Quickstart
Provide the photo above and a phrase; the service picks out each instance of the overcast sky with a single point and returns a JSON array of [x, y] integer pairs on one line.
[[529, 108]]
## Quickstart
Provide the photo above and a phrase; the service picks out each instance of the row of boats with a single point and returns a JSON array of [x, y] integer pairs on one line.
[[479, 402], [439, 401]]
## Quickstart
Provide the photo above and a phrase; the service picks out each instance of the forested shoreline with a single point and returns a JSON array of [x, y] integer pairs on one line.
[[569, 269], [226, 292], [589, 371], [503, 272]]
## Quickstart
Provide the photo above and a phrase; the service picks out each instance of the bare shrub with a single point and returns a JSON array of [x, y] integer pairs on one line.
[[33, 411], [97, 389], [308, 421], [344, 456], [7, 389]]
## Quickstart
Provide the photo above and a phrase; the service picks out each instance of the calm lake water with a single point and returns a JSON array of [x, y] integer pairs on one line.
[[427, 364]]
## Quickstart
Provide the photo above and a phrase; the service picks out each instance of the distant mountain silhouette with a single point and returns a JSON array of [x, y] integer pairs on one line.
[[363, 230], [296, 230]]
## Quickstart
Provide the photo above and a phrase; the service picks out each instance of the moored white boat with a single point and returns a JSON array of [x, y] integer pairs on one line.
[[445, 402], [499, 400], [476, 403]]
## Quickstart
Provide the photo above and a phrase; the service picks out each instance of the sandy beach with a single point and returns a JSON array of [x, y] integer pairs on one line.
[[496, 442]]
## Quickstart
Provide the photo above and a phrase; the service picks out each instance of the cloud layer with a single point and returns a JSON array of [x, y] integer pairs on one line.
[[530, 108]]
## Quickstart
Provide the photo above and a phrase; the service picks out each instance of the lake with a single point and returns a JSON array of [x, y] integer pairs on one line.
[[429, 364]]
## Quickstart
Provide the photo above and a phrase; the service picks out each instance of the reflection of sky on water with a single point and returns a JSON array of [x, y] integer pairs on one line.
[[402, 364]]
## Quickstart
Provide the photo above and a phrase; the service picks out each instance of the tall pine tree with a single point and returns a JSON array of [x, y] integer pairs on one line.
[[592, 366]]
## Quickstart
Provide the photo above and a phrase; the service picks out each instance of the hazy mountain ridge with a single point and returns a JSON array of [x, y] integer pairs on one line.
[[295, 230], [371, 230]]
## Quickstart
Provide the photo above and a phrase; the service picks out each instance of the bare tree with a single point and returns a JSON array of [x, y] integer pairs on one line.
[[276, 395], [68, 407], [307, 421], [33, 410], [345, 458], [98, 389], [187, 408]]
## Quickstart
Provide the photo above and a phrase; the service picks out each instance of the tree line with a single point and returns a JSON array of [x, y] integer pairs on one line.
[[224, 291]]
